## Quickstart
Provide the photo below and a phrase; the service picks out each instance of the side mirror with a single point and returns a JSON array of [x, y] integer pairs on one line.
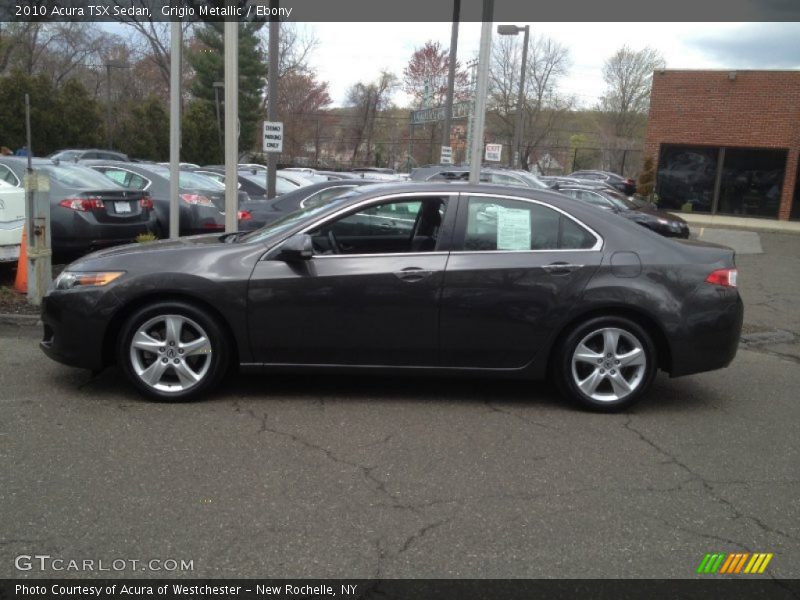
[[297, 247]]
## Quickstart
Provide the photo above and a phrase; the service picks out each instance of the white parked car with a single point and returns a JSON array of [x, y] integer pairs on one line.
[[12, 220]]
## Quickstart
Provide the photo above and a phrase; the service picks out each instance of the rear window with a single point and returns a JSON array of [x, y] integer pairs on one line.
[[79, 177]]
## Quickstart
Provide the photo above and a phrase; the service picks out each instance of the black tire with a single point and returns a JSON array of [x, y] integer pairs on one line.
[[208, 362], [604, 372]]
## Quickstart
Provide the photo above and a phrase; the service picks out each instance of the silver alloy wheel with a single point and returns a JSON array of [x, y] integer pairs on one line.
[[170, 353], [609, 364]]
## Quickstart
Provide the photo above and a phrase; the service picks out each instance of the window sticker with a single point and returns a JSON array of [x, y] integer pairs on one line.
[[513, 229]]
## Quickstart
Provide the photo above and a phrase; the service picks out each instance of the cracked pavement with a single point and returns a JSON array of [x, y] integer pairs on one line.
[[363, 477]]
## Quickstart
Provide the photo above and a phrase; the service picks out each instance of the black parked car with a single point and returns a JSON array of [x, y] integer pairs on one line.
[[480, 279], [87, 211], [257, 213], [639, 212], [624, 184], [202, 200]]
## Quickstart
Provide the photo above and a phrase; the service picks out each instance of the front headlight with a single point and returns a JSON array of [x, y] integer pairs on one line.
[[68, 280]]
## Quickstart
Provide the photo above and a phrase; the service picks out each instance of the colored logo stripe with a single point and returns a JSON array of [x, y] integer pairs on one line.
[[720, 562]]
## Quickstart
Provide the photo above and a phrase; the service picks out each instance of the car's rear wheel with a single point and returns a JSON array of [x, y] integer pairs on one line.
[[173, 351], [606, 363]]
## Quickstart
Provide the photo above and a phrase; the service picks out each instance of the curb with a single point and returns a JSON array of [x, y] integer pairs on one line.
[[760, 225], [20, 320]]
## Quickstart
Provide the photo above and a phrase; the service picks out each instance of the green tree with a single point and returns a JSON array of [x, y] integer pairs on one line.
[[144, 132], [81, 122], [207, 61], [60, 118], [200, 142]]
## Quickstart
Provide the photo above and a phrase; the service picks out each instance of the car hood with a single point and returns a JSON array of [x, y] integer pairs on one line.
[[659, 214], [157, 246]]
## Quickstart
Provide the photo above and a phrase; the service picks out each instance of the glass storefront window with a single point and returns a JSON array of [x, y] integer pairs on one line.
[[795, 214], [686, 175], [751, 182]]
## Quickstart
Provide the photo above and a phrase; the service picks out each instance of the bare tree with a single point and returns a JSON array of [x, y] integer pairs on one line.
[[366, 100], [628, 75], [153, 44], [543, 105]]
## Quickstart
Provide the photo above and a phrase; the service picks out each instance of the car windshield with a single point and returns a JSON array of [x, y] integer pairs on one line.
[[532, 180], [189, 180], [292, 219], [80, 177], [619, 200]]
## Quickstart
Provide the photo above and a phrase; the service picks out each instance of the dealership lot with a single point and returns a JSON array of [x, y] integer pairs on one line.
[[397, 477]]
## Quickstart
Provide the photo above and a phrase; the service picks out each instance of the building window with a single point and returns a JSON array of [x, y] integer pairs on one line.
[[727, 181], [751, 182], [686, 175]]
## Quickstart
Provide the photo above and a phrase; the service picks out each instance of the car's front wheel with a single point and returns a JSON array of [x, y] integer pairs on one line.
[[606, 363], [172, 351]]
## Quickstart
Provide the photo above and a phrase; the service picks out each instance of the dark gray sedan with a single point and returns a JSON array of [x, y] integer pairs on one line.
[[408, 278], [87, 211]]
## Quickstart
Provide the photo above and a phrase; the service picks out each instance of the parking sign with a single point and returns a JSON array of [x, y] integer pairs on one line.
[[273, 136], [493, 152]]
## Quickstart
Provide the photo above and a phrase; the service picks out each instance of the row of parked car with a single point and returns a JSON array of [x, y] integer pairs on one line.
[[101, 198]]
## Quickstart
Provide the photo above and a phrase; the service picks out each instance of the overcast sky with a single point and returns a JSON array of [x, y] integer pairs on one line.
[[351, 52]]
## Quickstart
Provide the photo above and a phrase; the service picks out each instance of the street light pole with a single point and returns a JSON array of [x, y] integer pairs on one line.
[[514, 30], [482, 88]]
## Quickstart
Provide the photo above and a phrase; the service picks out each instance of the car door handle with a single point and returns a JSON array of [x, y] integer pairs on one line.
[[561, 268], [412, 274]]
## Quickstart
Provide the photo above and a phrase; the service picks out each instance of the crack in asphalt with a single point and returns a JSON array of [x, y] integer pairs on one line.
[[493, 408], [707, 485]]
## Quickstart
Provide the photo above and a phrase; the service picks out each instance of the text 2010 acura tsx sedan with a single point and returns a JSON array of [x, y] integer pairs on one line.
[[408, 277]]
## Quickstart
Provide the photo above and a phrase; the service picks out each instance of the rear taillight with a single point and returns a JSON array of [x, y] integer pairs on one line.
[[245, 215], [196, 199], [723, 277], [82, 204], [146, 203]]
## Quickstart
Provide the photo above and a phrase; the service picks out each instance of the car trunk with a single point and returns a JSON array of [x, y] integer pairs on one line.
[[116, 206]]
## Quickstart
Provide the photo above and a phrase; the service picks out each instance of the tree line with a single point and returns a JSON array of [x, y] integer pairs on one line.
[[74, 71]]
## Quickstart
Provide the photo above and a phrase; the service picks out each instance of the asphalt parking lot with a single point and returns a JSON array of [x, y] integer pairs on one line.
[[398, 477]]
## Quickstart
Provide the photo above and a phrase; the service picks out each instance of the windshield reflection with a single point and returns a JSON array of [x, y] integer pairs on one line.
[[290, 220]]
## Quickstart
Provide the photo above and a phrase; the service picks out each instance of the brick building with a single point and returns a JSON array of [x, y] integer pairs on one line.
[[727, 142]]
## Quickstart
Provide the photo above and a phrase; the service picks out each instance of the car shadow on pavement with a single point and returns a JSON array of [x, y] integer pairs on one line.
[[667, 395]]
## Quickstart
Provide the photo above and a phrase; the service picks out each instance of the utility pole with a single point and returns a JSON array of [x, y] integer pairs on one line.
[[451, 74], [174, 128], [231, 41], [476, 151], [38, 226], [272, 86]]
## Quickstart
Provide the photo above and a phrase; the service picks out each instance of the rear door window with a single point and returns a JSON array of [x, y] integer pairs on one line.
[[503, 224]]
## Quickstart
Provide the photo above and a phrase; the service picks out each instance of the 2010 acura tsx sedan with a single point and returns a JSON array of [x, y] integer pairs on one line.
[[423, 277]]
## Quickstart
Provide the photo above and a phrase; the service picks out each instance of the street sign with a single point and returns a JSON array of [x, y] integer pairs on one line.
[[446, 157], [273, 136], [493, 152], [461, 110]]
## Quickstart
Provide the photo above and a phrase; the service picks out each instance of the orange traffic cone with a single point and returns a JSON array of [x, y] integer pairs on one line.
[[21, 281]]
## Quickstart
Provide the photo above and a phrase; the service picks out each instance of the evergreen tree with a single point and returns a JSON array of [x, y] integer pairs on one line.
[[647, 178], [200, 139], [207, 62], [144, 133]]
